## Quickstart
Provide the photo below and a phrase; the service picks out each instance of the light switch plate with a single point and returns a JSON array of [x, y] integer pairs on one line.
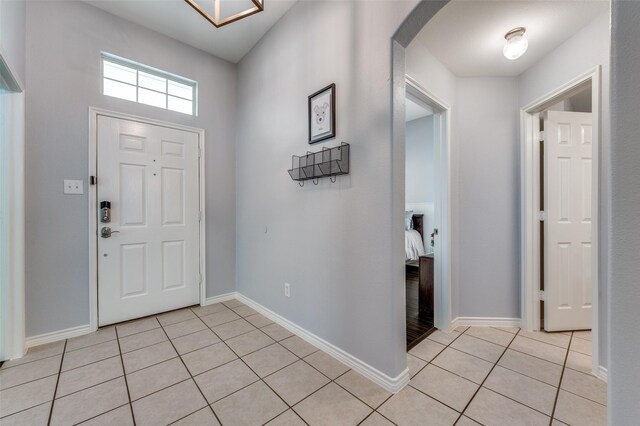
[[73, 187]]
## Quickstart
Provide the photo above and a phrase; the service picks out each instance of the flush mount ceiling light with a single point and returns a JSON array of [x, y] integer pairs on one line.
[[223, 12], [516, 43]]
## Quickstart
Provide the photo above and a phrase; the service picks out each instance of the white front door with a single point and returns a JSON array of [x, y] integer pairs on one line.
[[567, 225], [150, 263]]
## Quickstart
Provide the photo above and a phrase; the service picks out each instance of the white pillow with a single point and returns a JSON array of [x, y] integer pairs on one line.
[[408, 220]]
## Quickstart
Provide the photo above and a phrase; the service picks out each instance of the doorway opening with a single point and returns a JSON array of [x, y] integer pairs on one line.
[[560, 174], [426, 210]]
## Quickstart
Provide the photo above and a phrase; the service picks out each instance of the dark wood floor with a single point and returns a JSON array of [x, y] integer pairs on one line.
[[417, 328]]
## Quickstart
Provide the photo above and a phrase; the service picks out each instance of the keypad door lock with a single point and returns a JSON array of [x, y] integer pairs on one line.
[[105, 211]]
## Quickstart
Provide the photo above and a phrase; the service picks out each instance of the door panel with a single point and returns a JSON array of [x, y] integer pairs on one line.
[[172, 196], [133, 195], [133, 267], [150, 264], [567, 226]]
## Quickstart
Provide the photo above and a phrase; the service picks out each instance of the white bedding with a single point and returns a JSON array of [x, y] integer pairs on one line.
[[413, 245]]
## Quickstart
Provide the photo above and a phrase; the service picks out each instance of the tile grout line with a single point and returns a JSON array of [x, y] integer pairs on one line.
[[341, 386], [53, 400], [438, 354], [506, 368], [420, 370], [91, 363], [289, 407], [555, 402], [24, 409], [517, 372], [126, 383], [583, 397], [191, 375], [94, 344], [260, 378], [486, 377], [108, 411], [527, 376], [546, 343], [537, 357], [30, 381], [444, 369], [436, 399], [29, 362]]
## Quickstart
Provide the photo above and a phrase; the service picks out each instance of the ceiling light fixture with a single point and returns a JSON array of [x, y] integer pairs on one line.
[[516, 43], [210, 10]]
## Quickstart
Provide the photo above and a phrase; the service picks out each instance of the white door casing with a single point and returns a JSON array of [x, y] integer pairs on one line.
[[150, 175], [442, 191], [568, 151]]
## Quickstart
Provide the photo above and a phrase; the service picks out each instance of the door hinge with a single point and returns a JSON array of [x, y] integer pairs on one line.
[[199, 278], [200, 216], [199, 152], [542, 216], [542, 296], [541, 135], [93, 180]]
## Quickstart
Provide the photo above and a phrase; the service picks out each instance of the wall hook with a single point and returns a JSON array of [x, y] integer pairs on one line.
[[301, 183], [316, 181], [333, 179]]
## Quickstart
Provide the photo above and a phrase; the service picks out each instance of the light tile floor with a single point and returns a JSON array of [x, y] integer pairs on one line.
[[226, 364]]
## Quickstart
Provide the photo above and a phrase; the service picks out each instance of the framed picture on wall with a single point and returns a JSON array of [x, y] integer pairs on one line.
[[322, 114]]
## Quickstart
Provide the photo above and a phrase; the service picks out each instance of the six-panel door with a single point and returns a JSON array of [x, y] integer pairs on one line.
[[150, 263], [567, 226]]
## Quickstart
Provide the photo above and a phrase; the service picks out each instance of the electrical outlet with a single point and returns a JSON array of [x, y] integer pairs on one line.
[[73, 187], [287, 289]]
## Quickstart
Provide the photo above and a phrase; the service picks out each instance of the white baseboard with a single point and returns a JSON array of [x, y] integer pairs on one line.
[[54, 336], [220, 298], [601, 373], [391, 384], [486, 322]]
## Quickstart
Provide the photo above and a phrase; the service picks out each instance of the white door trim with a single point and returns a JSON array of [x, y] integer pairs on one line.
[[12, 248], [93, 206], [530, 190], [442, 260]]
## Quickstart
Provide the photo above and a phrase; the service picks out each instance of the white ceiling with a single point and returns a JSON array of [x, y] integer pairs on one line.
[[468, 35], [176, 19], [414, 111]]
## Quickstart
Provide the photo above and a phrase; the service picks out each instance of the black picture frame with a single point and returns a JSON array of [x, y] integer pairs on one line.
[[317, 114]]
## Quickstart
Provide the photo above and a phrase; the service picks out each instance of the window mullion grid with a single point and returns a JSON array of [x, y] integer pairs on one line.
[[137, 69]]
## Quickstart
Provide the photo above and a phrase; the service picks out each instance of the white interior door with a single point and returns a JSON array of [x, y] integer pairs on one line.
[[150, 263], [567, 225]]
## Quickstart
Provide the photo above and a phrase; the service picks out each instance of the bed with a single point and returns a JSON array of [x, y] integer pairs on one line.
[[414, 237], [416, 256]]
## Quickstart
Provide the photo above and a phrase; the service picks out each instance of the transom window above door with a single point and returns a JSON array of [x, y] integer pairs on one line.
[[125, 79]]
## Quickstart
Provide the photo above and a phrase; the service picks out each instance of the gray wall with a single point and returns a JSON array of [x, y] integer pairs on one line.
[[332, 242], [64, 41], [584, 51], [12, 34], [624, 291], [488, 217], [419, 172]]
